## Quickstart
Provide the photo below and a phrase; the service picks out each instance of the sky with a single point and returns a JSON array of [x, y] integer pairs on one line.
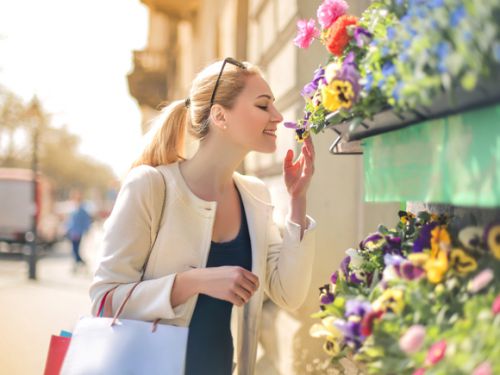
[[75, 56]]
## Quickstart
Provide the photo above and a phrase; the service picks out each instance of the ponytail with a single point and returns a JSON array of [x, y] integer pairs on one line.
[[165, 139]]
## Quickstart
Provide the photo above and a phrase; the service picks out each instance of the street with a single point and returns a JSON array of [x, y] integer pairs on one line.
[[31, 311]]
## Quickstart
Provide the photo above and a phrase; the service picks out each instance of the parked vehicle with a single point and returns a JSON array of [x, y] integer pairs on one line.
[[18, 205]]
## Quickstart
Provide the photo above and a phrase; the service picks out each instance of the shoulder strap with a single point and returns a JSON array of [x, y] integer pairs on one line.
[[156, 229], [154, 235]]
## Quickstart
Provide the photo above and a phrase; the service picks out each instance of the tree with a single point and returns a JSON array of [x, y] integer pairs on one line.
[[59, 158]]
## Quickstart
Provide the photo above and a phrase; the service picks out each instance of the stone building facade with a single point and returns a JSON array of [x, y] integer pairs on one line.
[[185, 36]]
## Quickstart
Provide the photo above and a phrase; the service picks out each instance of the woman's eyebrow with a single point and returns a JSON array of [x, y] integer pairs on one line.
[[266, 96]]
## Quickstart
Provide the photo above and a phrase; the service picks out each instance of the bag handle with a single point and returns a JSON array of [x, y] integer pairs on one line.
[[129, 294], [122, 306]]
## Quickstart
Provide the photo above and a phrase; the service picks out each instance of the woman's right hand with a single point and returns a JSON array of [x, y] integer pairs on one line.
[[230, 283]]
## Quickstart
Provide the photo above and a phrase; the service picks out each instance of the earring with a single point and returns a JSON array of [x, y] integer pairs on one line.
[[224, 127]]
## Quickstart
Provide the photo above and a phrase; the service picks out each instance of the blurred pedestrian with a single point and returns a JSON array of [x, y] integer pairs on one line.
[[77, 225], [217, 245]]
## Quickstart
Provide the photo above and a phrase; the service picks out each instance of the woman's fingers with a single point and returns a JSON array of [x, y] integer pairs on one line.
[[244, 294], [310, 146], [288, 162], [251, 278]]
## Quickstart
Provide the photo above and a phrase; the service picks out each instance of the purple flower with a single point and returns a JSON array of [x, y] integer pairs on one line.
[[424, 239], [362, 36], [393, 260], [372, 238], [290, 125], [392, 245], [410, 272], [354, 279], [357, 308], [349, 72], [311, 87], [327, 298], [334, 277], [351, 331], [344, 266]]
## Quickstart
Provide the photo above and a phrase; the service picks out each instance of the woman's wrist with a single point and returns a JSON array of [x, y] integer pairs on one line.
[[298, 210], [186, 285]]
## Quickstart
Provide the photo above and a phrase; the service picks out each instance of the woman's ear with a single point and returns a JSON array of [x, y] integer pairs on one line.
[[218, 116]]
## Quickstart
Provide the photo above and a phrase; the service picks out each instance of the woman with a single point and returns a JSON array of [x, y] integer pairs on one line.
[[217, 245]]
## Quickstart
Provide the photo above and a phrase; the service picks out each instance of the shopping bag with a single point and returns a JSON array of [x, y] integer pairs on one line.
[[57, 350], [115, 346]]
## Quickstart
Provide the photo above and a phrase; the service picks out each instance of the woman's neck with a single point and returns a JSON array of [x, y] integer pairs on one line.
[[209, 173]]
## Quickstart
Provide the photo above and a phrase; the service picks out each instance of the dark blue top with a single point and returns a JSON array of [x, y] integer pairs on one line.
[[210, 343]]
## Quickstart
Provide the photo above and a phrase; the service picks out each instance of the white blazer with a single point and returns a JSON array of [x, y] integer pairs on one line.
[[283, 265]]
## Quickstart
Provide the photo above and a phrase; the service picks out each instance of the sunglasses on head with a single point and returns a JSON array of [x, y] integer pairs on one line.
[[229, 60]]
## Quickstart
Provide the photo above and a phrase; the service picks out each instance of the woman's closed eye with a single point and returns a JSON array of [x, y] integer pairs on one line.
[[263, 107]]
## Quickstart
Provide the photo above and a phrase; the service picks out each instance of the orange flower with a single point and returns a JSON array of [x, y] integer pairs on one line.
[[337, 36]]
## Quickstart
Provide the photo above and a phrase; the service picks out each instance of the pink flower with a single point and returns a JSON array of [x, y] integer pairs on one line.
[[420, 371], [413, 339], [306, 32], [329, 11], [496, 305], [481, 280], [483, 369], [436, 353]]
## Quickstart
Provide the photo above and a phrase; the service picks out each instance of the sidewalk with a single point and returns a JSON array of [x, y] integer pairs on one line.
[[31, 311]]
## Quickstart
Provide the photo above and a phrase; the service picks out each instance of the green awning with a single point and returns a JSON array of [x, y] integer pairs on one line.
[[453, 160]]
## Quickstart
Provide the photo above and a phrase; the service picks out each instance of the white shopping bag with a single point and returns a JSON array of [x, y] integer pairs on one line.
[[113, 346]]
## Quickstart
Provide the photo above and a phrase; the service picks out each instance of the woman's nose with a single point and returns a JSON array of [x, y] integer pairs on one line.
[[277, 117]]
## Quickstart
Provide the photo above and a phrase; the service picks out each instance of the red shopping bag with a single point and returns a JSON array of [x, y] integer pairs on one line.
[[59, 346], [55, 357]]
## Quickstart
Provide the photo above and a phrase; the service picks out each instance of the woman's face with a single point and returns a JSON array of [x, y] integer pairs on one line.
[[253, 120]]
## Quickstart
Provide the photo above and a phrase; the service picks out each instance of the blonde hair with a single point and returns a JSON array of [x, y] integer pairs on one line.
[[165, 140]]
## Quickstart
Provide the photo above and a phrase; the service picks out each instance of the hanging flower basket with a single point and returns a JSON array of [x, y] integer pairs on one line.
[[402, 62]]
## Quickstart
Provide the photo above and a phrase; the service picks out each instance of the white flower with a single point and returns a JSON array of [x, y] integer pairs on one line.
[[471, 238], [356, 259], [390, 273]]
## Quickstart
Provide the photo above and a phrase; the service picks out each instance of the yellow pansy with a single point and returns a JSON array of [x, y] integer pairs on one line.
[[333, 335], [493, 240], [338, 94], [440, 240], [325, 328], [405, 216], [390, 300], [462, 262], [436, 267]]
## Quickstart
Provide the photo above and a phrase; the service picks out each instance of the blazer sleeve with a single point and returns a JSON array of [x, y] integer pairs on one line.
[[289, 262], [125, 248]]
